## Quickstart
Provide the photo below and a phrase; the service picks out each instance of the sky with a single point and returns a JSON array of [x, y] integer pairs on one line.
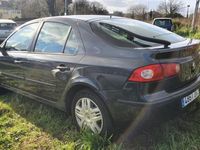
[[123, 5]]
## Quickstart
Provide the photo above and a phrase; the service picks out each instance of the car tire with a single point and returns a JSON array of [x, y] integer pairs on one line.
[[89, 111]]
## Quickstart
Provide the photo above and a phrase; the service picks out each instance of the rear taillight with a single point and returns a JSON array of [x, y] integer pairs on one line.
[[154, 72]]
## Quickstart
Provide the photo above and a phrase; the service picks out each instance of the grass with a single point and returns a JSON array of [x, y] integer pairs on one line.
[[26, 124], [179, 133]]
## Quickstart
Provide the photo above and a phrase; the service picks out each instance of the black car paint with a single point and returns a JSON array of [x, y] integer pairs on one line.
[[99, 66]]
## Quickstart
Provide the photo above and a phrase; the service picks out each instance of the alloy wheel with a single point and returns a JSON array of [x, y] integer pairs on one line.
[[88, 115]]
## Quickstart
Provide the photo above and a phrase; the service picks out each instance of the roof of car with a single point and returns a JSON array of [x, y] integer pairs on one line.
[[6, 21], [87, 18], [90, 17]]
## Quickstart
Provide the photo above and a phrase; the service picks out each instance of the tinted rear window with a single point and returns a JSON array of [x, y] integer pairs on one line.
[[7, 26], [119, 32]]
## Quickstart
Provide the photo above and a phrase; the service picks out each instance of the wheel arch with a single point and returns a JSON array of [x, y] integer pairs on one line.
[[78, 86], [73, 90]]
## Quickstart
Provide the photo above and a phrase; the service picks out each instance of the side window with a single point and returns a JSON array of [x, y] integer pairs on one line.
[[72, 46], [52, 38], [22, 39]]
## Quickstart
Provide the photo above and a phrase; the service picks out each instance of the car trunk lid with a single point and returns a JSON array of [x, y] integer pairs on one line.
[[187, 54]]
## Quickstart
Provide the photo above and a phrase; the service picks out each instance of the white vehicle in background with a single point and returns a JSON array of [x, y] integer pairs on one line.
[[165, 23], [6, 28]]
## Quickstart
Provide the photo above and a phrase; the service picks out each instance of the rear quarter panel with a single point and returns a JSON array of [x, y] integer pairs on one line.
[[107, 65]]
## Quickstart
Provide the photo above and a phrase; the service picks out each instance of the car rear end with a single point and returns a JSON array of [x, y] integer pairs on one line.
[[168, 72], [175, 77], [6, 28], [169, 86]]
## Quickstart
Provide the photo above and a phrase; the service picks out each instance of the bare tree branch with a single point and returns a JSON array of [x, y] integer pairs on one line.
[[138, 11], [170, 7], [51, 7]]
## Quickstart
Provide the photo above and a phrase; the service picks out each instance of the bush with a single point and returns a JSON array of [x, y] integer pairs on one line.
[[177, 24], [197, 35], [186, 32], [183, 31]]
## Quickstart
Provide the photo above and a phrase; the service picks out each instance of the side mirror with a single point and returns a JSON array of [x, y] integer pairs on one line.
[[3, 48], [3, 45]]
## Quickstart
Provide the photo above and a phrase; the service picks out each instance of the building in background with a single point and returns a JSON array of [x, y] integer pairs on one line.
[[7, 12]]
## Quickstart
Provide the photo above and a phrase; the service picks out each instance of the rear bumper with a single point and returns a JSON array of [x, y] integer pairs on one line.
[[162, 98], [124, 110]]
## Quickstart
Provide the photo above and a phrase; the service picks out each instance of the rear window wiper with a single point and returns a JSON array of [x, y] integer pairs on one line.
[[158, 41], [148, 39]]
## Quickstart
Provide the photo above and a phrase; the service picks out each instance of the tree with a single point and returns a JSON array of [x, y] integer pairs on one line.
[[30, 8], [97, 8], [16, 4], [154, 14], [170, 8], [59, 7], [38, 9], [43, 8], [195, 16], [85, 7], [51, 7], [138, 11], [80, 7], [118, 13]]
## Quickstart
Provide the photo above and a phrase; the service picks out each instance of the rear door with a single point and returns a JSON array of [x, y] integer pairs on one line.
[[13, 58], [57, 50]]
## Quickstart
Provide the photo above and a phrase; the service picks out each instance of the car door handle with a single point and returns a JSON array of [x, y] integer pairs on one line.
[[63, 68]]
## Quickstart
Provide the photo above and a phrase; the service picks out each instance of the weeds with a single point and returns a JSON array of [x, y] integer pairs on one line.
[[186, 32], [25, 124]]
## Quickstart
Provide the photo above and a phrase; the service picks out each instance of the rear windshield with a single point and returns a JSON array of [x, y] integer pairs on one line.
[[120, 33], [7, 26], [163, 22]]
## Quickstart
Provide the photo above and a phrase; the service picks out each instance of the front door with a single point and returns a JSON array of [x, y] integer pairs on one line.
[[13, 56]]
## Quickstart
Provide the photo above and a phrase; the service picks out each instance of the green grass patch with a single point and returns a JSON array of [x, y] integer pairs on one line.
[[186, 32], [26, 124]]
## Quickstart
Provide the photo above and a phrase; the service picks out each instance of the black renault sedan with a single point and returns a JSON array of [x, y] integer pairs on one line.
[[100, 69]]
